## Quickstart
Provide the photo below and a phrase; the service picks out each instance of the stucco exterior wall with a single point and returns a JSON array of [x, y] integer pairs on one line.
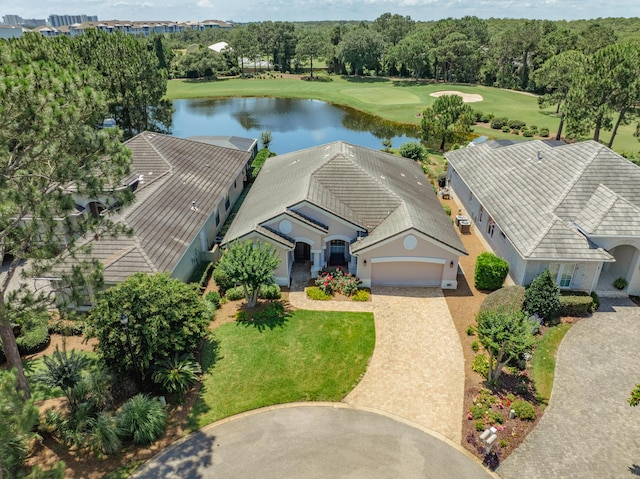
[[583, 277]]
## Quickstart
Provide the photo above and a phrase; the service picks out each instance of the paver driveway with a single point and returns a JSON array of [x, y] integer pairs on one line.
[[417, 368], [589, 430]]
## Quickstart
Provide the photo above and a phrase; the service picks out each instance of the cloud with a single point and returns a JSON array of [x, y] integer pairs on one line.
[[205, 4]]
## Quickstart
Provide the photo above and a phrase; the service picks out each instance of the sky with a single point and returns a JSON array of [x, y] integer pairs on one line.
[[301, 10]]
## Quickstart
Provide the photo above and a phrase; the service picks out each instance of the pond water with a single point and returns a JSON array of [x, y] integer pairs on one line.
[[294, 124]]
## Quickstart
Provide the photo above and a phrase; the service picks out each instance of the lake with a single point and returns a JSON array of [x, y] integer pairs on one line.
[[294, 124]]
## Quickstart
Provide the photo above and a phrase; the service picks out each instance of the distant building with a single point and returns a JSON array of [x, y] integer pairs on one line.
[[62, 20], [34, 22], [129, 27], [10, 32], [12, 20]]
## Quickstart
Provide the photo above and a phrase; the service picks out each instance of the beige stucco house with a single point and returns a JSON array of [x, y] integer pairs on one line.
[[572, 208], [340, 204]]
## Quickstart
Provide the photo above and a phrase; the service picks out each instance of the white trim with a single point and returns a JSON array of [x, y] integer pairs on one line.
[[344, 238], [302, 239], [421, 235], [281, 216], [327, 213], [256, 234], [408, 259]]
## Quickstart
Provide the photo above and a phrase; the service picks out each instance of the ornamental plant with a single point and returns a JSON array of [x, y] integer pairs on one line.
[[332, 281]]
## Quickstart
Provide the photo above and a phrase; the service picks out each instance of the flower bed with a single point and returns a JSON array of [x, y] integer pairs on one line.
[[332, 281]]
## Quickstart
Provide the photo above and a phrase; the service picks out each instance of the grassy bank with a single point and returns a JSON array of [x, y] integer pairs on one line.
[[543, 364], [400, 101], [307, 356]]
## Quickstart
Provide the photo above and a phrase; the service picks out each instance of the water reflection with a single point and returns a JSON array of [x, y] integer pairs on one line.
[[295, 124]]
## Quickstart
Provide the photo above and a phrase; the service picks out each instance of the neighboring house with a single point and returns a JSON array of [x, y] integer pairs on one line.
[[7, 32], [341, 204], [572, 208], [184, 192]]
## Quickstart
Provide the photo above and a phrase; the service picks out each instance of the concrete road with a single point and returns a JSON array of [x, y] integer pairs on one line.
[[319, 441]]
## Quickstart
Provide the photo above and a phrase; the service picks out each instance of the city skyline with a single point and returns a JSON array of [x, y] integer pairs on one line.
[[305, 10]]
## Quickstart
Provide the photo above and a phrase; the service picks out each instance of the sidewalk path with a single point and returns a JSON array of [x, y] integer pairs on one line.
[[417, 368], [589, 429]]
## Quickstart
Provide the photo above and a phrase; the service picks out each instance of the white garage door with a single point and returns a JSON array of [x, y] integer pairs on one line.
[[406, 274]]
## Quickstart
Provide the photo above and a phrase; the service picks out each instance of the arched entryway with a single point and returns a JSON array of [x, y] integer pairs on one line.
[[302, 252], [338, 252], [624, 266]]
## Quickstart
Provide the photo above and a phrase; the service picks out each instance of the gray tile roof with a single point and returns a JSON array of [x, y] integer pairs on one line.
[[175, 172], [378, 192], [545, 192], [237, 142]]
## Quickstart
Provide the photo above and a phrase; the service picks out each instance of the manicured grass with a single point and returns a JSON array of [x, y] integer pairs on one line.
[[543, 364], [399, 101], [306, 356]]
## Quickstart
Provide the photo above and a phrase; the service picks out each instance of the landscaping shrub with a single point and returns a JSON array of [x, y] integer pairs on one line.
[[360, 295], [222, 280], [487, 117], [475, 346], [34, 335], [447, 209], [490, 272], [506, 129], [620, 283], [214, 298], [498, 123], [509, 297], [596, 300], [142, 419], [442, 179], [259, 161], [576, 303], [479, 425], [471, 330], [542, 298], [335, 280], [66, 326], [270, 291], [544, 132], [235, 294], [516, 124], [413, 150], [177, 374], [476, 115], [527, 133], [480, 364], [523, 409], [317, 294]]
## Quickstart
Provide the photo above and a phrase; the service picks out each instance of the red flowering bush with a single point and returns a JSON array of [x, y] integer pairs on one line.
[[332, 281]]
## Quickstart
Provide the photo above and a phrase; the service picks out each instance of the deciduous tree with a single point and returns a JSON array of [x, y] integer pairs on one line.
[[249, 265]]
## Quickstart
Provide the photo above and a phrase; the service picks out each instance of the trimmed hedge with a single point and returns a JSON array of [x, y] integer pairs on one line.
[[576, 304], [317, 294], [509, 297], [490, 272], [498, 123]]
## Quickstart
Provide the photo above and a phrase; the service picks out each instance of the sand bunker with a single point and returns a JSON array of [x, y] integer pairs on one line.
[[466, 97]]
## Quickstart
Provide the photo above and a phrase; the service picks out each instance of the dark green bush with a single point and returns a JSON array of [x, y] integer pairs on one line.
[[542, 298], [516, 124], [270, 291], [509, 297], [66, 326], [528, 133], [544, 132], [222, 280], [576, 304], [447, 209], [523, 409], [214, 298], [506, 129], [34, 338], [234, 294], [476, 115], [142, 419], [490, 272], [259, 161], [413, 150], [498, 123], [487, 117], [596, 300]]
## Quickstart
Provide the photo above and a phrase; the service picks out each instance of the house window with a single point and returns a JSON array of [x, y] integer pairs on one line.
[[226, 202], [491, 226], [563, 273], [217, 218], [235, 183], [480, 213]]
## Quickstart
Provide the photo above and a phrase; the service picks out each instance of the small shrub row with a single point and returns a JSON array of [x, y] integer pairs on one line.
[[499, 122], [361, 295], [576, 304], [317, 294]]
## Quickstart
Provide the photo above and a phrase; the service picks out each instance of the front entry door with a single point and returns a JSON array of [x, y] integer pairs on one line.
[[302, 252]]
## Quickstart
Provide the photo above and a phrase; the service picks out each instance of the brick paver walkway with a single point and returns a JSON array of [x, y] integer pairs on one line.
[[417, 368], [589, 430]]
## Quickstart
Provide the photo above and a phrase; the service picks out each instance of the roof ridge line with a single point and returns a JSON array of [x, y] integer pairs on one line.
[[614, 198], [543, 234], [573, 184], [143, 253]]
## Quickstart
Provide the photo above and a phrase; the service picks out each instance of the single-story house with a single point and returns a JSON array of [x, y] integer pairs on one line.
[[572, 208], [340, 204], [184, 191]]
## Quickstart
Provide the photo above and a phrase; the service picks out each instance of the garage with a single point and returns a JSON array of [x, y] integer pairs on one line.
[[413, 272]]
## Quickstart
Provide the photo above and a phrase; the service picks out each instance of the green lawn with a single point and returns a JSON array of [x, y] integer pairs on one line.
[[543, 364], [396, 100], [308, 356]]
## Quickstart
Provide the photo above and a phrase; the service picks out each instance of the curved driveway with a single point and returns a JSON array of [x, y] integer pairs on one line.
[[312, 441], [589, 430]]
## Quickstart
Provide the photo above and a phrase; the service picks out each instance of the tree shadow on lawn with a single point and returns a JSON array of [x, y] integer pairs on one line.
[[265, 315], [189, 459], [362, 79]]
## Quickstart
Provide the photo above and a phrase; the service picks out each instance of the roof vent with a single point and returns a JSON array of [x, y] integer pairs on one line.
[[193, 206], [539, 156]]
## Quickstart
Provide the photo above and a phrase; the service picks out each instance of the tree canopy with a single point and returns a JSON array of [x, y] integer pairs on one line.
[[448, 120], [250, 265]]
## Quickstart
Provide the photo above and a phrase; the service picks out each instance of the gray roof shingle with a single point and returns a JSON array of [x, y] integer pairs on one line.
[[378, 192], [542, 192]]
